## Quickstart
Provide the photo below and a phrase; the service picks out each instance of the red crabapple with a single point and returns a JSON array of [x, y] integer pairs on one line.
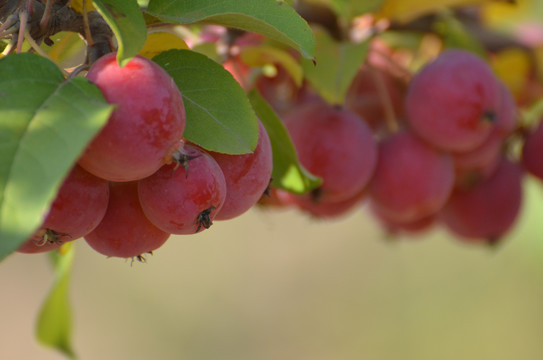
[[412, 180], [453, 101], [486, 211], [336, 145], [184, 199], [125, 231], [78, 208], [247, 176], [532, 152], [148, 120]]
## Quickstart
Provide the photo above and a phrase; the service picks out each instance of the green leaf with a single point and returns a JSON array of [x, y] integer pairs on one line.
[[45, 124], [219, 115], [288, 173], [337, 65], [455, 35], [276, 20], [54, 325], [126, 20], [349, 9]]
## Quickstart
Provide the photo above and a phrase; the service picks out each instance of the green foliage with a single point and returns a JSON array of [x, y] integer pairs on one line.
[[219, 116], [288, 173], [54, 325], [348, 9], [276, 20], [455, 35], [126, 20], [45, 123], [337, 65]]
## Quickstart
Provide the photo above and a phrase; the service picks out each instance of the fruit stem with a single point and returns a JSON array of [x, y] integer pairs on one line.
[[88, 34], [386, 102], [23, 19]]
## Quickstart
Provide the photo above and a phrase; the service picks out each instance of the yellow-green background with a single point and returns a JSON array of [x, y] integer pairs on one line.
[[276, 285]]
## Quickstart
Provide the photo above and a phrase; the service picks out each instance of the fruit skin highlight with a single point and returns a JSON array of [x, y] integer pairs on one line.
[[148, 120]]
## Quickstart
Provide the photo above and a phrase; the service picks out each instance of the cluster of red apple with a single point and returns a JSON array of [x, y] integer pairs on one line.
[[442, 157], [445, 159], [138, 181]]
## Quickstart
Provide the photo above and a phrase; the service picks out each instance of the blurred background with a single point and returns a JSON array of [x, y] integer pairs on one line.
[[278, 285]]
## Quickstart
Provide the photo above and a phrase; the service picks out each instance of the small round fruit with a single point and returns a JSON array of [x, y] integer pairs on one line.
[[412, 180], [247, 176], [184, 199], [486, 211], [78, 208], [336, 145], [148, 120], [452, 102], [125, 231]]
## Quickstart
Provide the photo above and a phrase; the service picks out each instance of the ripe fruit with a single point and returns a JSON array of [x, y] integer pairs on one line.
[[452, 102], [125, 231], [486, 211], [247, 176], [336, 145], [184, 199], [148, 120], [532, 152], [78, 208], [412, 180]]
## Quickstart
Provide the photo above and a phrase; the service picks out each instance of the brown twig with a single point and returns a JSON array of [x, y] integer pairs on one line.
[[88, 34], [391, 120]]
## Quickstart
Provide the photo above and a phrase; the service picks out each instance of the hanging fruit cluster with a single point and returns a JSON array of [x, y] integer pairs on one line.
[[417, 145]]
